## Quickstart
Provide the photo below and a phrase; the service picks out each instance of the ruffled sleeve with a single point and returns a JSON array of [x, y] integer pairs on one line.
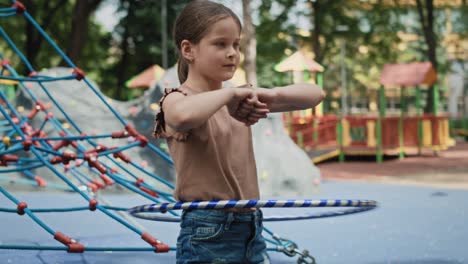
[[160, 123]]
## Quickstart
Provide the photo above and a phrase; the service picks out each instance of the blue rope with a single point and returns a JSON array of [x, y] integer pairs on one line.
[[27, 211], [17, 51]]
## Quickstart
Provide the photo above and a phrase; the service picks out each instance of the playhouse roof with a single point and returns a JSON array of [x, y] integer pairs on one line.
[[298, 62], [147, 78], [408, 74]]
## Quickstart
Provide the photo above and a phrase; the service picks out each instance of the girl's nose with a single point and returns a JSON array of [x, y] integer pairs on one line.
[[231, 52]]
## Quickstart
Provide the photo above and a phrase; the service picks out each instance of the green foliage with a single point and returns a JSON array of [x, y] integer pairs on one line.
[[137, 41], [111, 58], [270, 46]]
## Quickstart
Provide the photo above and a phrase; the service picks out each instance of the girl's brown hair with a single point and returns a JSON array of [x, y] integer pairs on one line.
[[193, 23]]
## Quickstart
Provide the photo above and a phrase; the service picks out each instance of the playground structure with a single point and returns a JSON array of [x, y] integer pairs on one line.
[[407, 133], [47, 139]]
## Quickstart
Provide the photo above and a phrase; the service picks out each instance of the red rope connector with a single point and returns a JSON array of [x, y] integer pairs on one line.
[[98, 149], [20, 8], [83, 134], [160, 247], [139, 137], [27, 144], [33, 73], [68, 156], [6, 62], [139, 181], [93, 162], [74, 144], [143, 140], [92, 204], [62, 143], [8, 158], [131, 130], [80, 74], [148, 191], [120, 134], [99, 184], [49, 115], [78, 162], [15, 120], [56, 160], [73, 246], [26, 128], [35, 133], [21, 207], [40, 182], [106, 179], [92, 186], [38, 107], [122, 156]]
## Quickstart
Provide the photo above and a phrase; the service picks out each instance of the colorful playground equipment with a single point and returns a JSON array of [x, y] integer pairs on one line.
[[459, 126], [409, 132], [7, 86]]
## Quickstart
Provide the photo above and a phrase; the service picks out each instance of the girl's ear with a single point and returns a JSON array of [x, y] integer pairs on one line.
[[187, 49]]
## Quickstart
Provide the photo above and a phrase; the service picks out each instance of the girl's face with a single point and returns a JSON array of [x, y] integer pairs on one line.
[[216, 56]]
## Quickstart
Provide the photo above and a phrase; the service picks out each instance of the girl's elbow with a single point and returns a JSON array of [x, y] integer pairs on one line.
[[317, 97], [321, 95]]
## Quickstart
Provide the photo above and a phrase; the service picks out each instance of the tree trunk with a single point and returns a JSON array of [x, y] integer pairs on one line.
[[426, 17], [249, 44], [316, 11], [124, 49], [33, 38], [79, 31]]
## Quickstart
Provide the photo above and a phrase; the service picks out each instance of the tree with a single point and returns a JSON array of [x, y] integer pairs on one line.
[[79, 27], [137, 41], [271, 47], [249, 44], [426, 18], [54, 17]]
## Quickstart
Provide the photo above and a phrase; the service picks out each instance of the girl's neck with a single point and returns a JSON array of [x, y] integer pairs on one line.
[[202, 84]]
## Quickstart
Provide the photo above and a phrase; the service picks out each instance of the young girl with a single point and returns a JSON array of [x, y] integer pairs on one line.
[[209, 136]]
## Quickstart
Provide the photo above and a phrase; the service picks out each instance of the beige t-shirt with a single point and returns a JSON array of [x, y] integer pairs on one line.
[[214, 161]]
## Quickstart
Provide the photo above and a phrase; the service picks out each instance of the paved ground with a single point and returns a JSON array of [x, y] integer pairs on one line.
[[449, 169], [413, 225]]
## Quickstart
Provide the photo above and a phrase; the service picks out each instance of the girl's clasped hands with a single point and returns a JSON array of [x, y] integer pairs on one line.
[[249, 105]]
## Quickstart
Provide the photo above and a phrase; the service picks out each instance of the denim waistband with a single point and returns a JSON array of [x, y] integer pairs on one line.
[[219, 215]]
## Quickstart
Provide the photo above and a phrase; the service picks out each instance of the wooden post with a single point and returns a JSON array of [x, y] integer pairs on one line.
[[382, 106], [435, 107], [319, 80], [339, 131], [419, 115], [401, 131], [300, 139]]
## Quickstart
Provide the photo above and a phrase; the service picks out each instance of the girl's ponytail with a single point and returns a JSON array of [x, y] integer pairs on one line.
[[182, 69]]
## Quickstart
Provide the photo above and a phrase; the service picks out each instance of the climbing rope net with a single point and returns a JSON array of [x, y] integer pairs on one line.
[[86, 166]]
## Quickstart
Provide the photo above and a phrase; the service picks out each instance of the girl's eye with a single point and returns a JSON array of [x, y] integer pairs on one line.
[[220, 44]]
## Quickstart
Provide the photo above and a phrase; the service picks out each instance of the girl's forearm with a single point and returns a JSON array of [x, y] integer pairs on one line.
[[297, 97], [192, 111]]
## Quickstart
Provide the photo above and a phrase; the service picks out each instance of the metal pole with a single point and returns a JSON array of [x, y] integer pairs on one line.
[[164, 33], [344, 93]]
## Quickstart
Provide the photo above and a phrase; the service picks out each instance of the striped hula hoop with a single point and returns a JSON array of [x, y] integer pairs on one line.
[[149, 211]]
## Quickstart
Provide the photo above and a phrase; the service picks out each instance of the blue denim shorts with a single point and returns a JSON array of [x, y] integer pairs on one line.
[[215, 236]]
